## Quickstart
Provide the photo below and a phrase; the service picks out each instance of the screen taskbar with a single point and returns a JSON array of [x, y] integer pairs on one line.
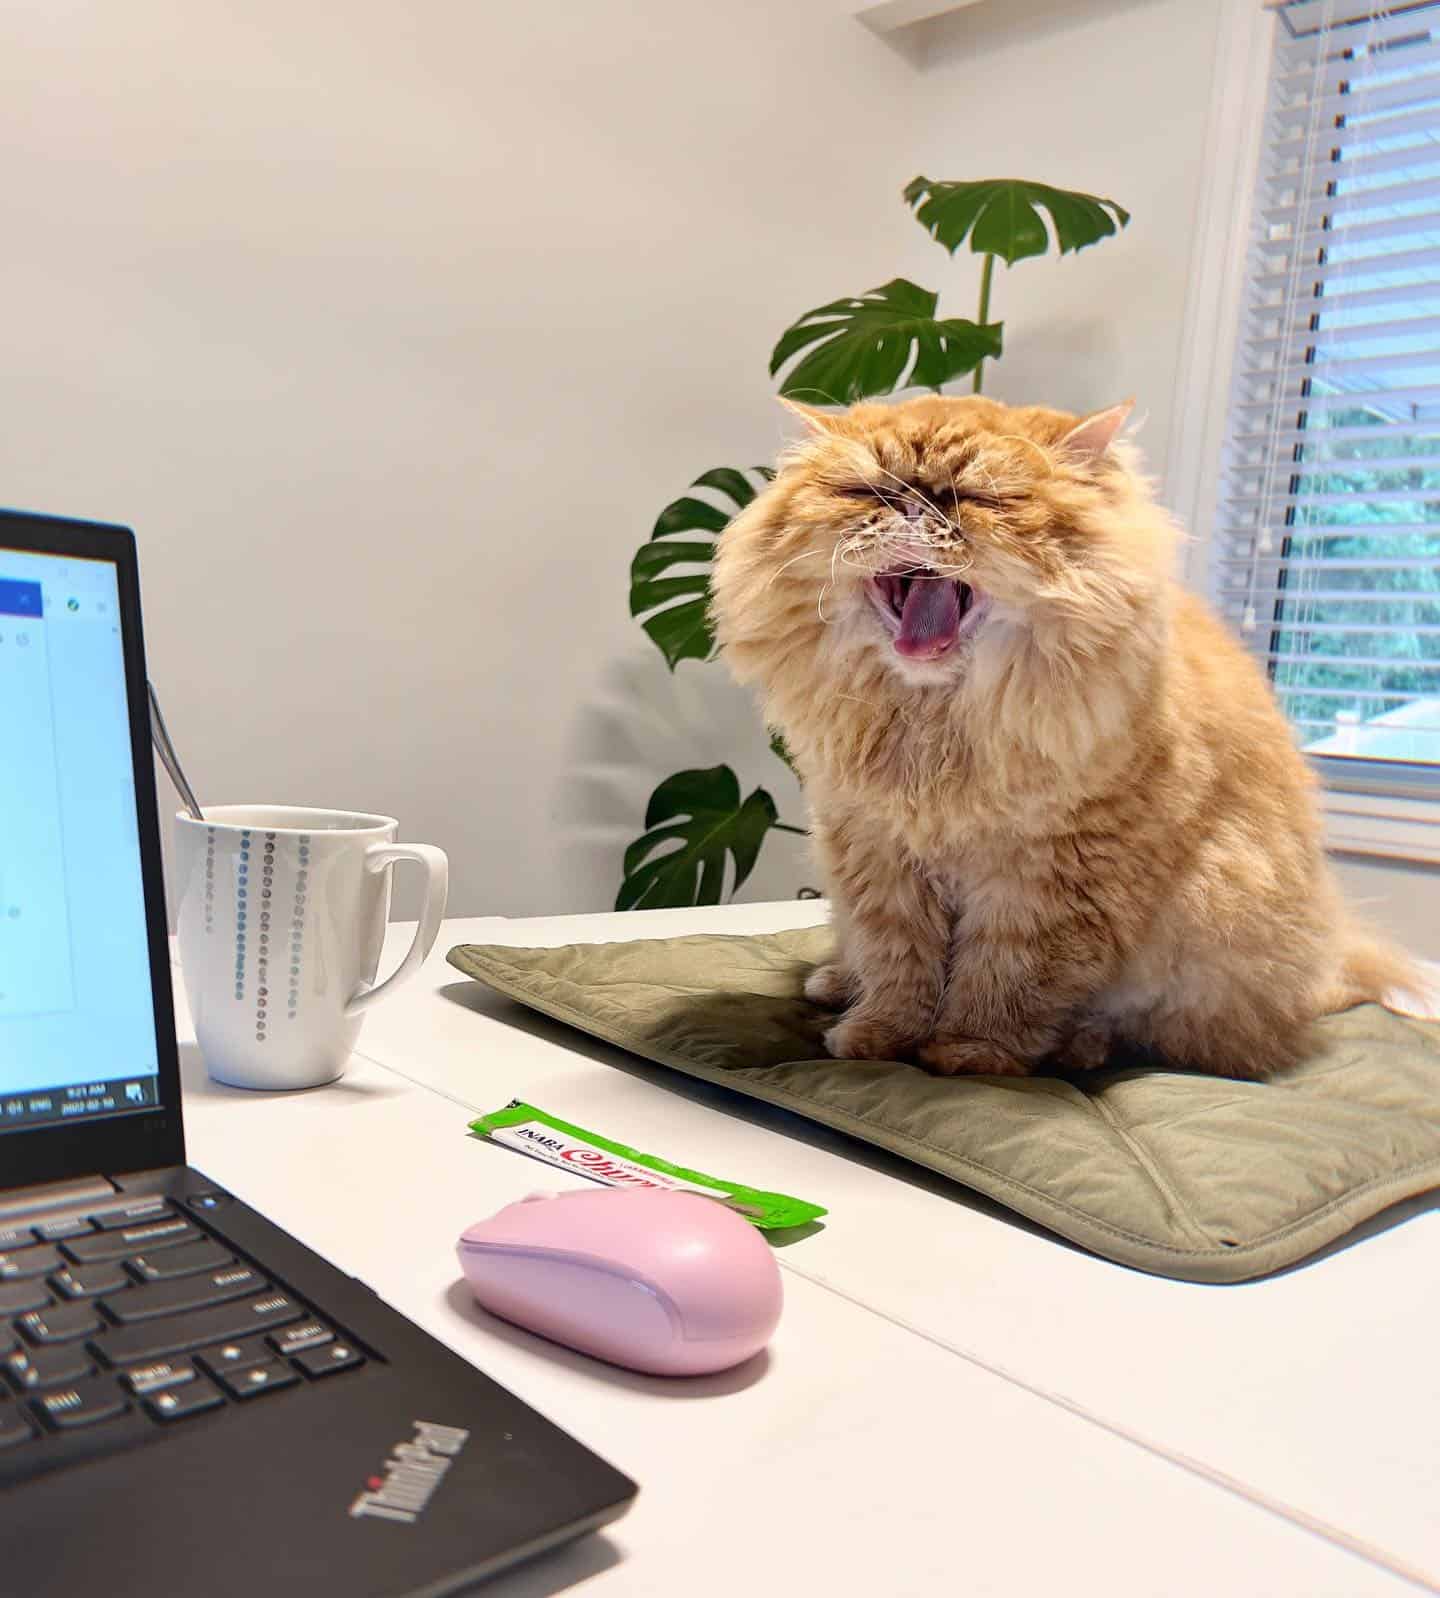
[[80, 1101]]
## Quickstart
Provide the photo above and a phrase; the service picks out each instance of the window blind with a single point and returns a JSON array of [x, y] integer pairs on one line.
[[1327, 553]]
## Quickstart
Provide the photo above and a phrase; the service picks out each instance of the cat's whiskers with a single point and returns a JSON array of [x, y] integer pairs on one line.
[[825, 589], [858, 551], [808, 554], [910, 489], [902, 539]]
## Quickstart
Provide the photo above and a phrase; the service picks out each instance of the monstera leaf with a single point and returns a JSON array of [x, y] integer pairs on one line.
[[1001, 216], [702, 814], [674, 607], [866, 345]]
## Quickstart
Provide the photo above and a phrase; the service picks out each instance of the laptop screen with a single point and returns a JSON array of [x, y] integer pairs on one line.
[[77, 1021]]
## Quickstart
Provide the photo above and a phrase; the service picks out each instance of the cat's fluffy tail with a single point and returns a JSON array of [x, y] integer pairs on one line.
[[1374, 971]]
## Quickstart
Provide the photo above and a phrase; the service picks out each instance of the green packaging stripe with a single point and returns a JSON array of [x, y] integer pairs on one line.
[[571, 1148]]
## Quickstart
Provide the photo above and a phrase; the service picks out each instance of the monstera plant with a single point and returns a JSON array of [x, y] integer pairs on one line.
[[698, 822]]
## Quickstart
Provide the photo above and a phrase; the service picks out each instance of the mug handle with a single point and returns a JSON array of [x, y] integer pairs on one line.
[[380, 857]]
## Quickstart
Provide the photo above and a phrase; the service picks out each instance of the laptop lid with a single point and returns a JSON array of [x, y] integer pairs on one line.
[[89, 1076]]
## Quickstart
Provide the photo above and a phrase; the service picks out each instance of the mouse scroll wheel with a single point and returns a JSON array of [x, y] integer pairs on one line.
[[535, 1198]]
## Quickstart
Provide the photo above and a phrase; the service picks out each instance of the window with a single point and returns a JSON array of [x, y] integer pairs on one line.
[[1327, 552]]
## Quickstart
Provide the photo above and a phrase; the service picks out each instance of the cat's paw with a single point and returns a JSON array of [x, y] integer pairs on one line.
[[970, 1057], [867, 1038], [828, 985]]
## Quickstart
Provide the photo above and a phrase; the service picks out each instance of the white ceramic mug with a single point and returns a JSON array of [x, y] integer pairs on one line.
[[282, 915]]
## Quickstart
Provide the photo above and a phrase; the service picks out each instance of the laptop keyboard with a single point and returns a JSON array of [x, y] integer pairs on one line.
[[137, 1317]]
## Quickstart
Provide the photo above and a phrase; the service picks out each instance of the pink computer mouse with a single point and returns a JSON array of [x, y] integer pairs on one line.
[[657, 1280]]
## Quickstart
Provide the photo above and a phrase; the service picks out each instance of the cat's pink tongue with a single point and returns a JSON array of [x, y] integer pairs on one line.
[[930, 620]]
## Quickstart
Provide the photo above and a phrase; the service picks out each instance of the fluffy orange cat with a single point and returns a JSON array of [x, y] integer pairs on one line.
[[1056, 804]]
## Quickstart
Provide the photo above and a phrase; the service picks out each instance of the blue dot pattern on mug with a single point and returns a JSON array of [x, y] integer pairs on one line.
[[209, 881], [297, 922], [262, 963], [242, 891]]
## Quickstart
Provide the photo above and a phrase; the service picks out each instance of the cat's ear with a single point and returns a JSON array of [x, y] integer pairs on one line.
[[816, 421], [1087, 441]]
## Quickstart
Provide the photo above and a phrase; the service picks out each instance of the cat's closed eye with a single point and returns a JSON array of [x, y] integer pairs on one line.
[[895, 497]]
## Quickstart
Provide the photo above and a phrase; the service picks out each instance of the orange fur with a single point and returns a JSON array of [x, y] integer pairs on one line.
[[1086, 821]]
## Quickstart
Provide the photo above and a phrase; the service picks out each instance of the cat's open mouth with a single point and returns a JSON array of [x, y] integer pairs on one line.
[[924, 612]]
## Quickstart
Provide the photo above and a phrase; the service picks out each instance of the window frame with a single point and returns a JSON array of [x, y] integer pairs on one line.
[[1387, 808]]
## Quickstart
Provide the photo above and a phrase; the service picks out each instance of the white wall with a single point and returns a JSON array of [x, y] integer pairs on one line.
[[390, 329]]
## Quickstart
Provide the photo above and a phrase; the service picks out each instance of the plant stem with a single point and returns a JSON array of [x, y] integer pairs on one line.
[[800, 832], [985, 273]]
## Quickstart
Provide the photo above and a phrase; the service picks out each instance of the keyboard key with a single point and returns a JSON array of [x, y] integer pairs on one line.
[[76, 1226], [128, 1345], [115, 1245], [175, 1403], [235, 1354], [189, 1292], [60, 1324], [333, 1357], [90, 1281], [257, 1379], [167, 1263], [14, 1427], [83, 1403], [18, 1296], [131, 1214], [308, 1334], [15, 1237], [157, 1375], [17, 1264], [34, 1369]]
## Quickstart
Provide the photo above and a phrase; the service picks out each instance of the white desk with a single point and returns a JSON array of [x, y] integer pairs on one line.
[[890, 1442]]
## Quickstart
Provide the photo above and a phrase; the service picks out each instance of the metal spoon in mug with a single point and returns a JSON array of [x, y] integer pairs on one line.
[[160, 737]]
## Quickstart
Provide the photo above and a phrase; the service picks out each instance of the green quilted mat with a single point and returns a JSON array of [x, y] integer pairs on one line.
[[1189, 1176]]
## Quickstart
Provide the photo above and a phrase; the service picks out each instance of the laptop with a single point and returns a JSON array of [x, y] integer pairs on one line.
[[191, 1401]]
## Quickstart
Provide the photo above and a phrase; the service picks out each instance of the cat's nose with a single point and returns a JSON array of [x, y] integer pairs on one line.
[[914, 512]]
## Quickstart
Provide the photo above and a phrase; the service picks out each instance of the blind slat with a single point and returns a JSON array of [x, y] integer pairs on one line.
[[1361, 629], [1345, 232], [1345, 368], [1311, 276], [1245, 537], [1338, 465], [1357, 661], [1292, 691], [1363, 99], [1303, 337], [1355, 433], [1320, 31], [1384, 125], [1347, 596], [1386, 496], [1358, 199], [1328, 297], [1375, 563], [1344, 27], [1322, 167], [1369, 399], [1331, 76]]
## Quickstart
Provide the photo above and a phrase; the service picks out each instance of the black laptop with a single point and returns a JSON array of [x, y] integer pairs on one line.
[[191, 1401]]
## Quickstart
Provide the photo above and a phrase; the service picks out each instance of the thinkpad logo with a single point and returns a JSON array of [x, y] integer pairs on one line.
[[408, 1479]]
